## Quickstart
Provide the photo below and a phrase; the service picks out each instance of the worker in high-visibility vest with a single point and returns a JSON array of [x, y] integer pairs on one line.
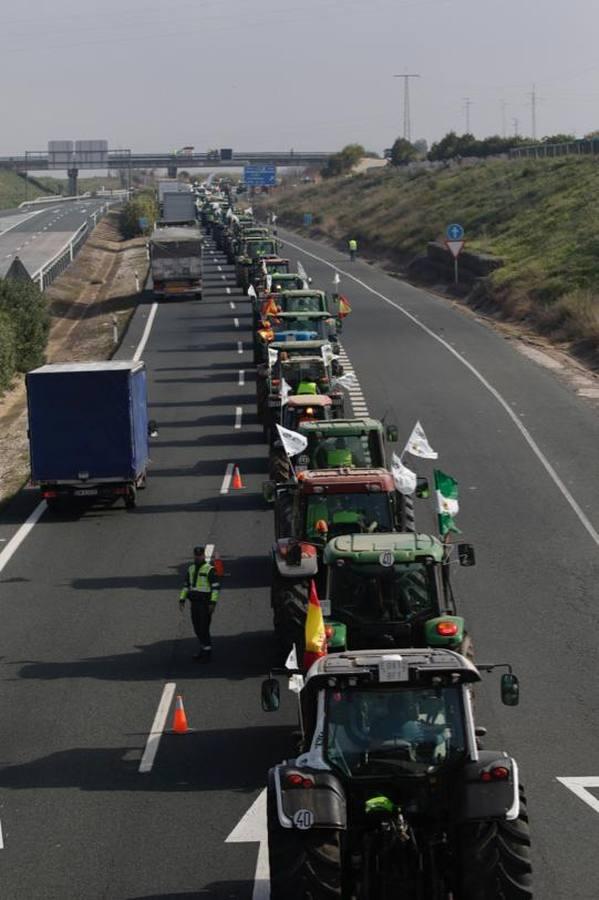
[[201, 588], [353, 248]]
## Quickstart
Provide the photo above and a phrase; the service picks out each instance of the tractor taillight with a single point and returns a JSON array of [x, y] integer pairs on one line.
[[497, 773], [294, 779], [447, 629], [329, 631]]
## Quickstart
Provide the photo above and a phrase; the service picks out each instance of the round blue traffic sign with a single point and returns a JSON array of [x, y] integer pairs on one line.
[[455, 232]]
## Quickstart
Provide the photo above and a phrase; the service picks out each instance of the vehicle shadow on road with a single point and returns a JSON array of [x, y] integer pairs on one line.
[[236, 657], [178, 767], [216, 890]]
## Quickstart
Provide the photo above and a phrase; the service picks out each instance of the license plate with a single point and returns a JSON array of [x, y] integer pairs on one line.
[[86, 492]]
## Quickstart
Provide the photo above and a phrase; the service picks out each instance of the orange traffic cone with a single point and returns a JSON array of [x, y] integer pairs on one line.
[[237, 482], [180, 725]]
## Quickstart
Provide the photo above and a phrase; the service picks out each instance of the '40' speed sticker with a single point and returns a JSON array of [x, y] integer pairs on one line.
[[303, 819]]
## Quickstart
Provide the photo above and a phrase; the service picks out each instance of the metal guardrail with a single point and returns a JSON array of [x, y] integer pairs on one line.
[[582, 147], [47, 273]]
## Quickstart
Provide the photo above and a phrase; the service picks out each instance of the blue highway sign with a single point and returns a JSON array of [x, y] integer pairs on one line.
[[260, 176], [455, 232]]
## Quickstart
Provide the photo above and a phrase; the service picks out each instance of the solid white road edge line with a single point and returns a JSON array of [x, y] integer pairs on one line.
[[18, 538], [583, 519], [157, 730], [1, 838], [242, 376], [144, 338], [224, 488], [580, 787], [238, 414]]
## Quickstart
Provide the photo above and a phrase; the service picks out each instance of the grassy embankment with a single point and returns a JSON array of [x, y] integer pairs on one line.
[[541, 218], [14, 189]]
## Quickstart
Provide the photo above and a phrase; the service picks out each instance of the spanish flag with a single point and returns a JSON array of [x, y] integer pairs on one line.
[[344, 306], [316, 639]]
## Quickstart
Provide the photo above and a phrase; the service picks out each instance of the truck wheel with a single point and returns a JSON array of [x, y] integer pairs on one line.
[[496, 859], [131, 498], [279, 467], [304, 865]]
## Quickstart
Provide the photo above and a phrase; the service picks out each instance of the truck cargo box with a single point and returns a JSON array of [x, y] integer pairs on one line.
[[88, 423], [178, 209]]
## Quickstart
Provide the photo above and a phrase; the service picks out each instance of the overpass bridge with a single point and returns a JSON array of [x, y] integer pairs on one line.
[[126, 160]]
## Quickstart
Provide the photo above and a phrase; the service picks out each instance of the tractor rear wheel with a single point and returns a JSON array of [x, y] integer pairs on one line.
[[304, 865], [279, 466], [496, 859], [289, 601]]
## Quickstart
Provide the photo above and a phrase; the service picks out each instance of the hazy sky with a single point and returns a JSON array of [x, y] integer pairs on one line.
[[307, 74]]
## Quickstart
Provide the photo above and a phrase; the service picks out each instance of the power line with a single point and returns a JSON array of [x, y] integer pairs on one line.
[[407, 124]]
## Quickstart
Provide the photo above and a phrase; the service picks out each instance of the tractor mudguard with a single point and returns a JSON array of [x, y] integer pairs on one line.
[[434, 636], [307, 568], [325, 801], [480, 796]]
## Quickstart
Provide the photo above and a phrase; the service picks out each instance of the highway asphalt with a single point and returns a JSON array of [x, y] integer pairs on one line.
[[92, 632], [37, 234]]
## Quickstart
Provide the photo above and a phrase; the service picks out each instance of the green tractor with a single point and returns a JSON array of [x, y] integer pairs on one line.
[[249, 250], [311, 511], [393, 590], [277, 331], [391, 795], [333, 443], [301, 368]]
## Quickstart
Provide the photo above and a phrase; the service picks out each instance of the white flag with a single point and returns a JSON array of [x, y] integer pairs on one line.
[[285, 391], [348, 380], [252, 292], [405, 480], [268, 283], [301, 271], [293, 442], [249, 211], [336, 278], [229, 213], [418, 444], [296, 681], [272, 356], [327, 354]]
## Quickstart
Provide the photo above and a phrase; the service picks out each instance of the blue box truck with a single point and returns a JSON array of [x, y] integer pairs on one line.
[[88, 430]]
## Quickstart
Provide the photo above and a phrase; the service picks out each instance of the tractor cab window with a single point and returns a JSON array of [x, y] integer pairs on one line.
[[328, 515], [278, 267], [261, 248], [309, 371], [303, 304], [333, 452], [383, 731], [361, 593]]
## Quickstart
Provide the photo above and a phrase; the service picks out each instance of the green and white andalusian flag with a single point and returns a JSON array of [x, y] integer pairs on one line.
[[446, 491]]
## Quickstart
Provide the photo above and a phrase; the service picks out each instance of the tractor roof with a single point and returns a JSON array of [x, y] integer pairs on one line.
[[367, 548], [342, 427], [303, 314], [345, 480], [392, 666], [301, 401]]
